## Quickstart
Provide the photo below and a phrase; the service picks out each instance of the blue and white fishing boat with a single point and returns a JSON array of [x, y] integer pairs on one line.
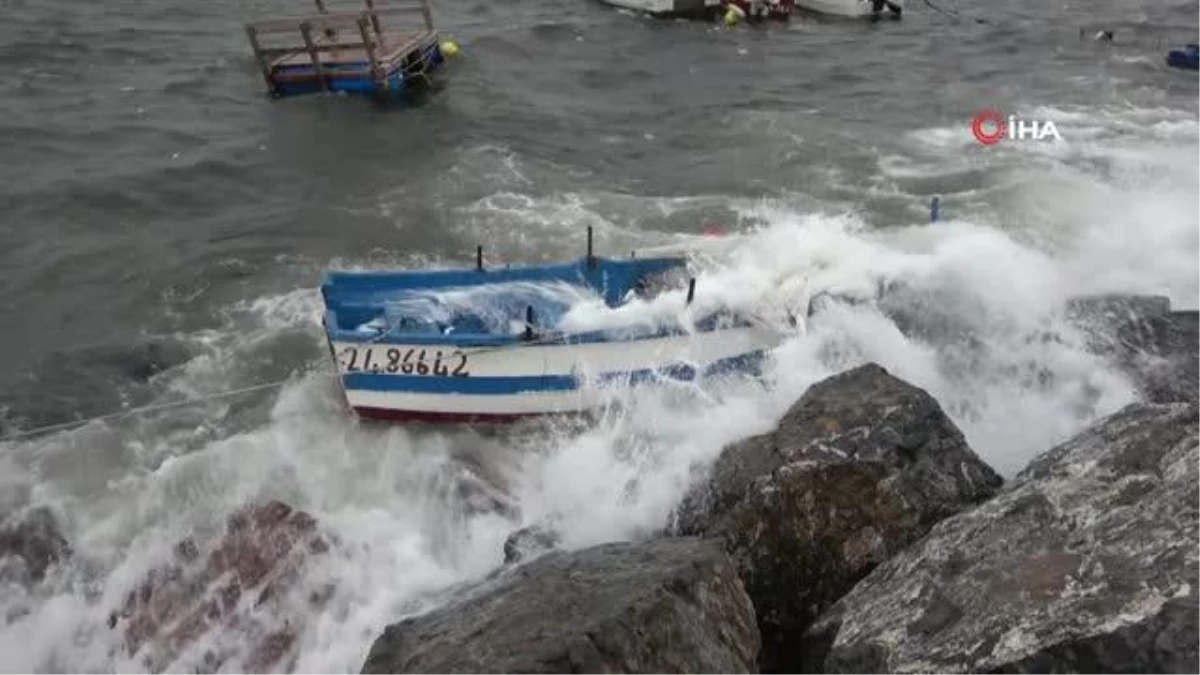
[[502, 344]]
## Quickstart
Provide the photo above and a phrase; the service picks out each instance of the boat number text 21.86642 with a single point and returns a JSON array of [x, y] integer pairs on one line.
[[407, 361]]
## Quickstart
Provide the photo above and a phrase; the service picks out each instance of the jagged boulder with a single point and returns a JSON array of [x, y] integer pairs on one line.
[[238, 586], [666, 605], [528, 542], [1158, 347], [30, 544], [860, 467], [1086, 562]]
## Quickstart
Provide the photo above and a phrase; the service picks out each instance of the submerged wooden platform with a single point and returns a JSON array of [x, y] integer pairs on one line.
[[347, 51]]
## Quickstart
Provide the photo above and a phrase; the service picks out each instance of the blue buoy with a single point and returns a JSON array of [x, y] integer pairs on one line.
[[934, 209]]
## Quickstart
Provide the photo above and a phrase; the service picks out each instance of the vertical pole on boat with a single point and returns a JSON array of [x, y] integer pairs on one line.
[[313, 55], [479, 258], [691, 290], [528, 322], [591, 260], [935, 208], [263, 66]]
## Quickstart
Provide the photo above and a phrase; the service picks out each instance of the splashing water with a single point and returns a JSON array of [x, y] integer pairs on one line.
[[995, 350]]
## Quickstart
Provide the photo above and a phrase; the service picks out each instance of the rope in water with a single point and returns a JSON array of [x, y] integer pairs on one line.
[[154, 407]]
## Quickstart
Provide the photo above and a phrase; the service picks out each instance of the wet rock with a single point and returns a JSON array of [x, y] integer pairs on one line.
[[1086, 562], [480, 493], [668, 605], [528, 542], [1158, 347], [1126, 327], [34, 542], [860, 467], [1175, 374], [824, 301], [236, 596]]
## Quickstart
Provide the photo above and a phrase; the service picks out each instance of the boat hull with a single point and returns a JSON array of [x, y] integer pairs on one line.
[[847, 8], [1187, 58], [668, 8], [410, 382]]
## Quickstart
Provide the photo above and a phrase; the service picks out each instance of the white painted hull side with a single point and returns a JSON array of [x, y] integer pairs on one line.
[[850, 8], [522, 380], [664, 6]]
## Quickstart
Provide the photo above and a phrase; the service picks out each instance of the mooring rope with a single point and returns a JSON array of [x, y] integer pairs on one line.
[[953, 15], [154, 407]]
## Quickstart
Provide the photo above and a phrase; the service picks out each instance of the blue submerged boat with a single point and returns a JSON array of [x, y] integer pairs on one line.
[[349, 51], [496, 345], [1187, 58]]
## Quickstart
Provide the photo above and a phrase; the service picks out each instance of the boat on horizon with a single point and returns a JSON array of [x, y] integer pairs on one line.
[[498, 345], [873, 9]]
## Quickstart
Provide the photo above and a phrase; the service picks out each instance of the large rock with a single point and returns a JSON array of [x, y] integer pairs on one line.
[[860, 467], [1174, 374], [1086, 562], [529, 542], [1159, 348], [668, 605], [34, 542], [236, 597]]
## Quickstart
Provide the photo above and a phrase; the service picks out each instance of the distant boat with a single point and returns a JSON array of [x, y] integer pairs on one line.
[[669, 8], [1187, 58], [496, 345], [854, 8], [350, 51]]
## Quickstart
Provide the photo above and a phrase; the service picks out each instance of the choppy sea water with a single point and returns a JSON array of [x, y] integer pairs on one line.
[[164, 228]]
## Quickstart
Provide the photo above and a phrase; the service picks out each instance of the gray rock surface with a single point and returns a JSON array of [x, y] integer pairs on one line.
[[34, 543], [528, 542], [668, 605], [860, 467], [1086, 562], [233, 595], [1158, 347]]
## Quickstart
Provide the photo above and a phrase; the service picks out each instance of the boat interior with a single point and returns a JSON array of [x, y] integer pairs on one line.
[[480, 306]]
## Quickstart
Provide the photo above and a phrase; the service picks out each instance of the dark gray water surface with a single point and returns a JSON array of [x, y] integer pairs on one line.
[[151, 194], [145, 168]]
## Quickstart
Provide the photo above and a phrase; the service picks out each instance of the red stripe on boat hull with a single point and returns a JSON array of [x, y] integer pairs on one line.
[[390, 415]]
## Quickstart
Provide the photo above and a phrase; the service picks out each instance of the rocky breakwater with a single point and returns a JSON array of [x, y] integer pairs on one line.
[[1086, 562], [1158, 347], [231, 603], [669, 605], [31, 543], [860, 467], [864, 534]]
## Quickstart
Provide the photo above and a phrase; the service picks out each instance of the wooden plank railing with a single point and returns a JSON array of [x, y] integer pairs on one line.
[[329, 22]]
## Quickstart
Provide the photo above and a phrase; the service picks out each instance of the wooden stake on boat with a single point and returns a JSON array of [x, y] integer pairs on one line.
[[591, 260], [528, 322], [306, 33], [260, 58], [479, 258], [374, 17], [691, 290], [377, 73]]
